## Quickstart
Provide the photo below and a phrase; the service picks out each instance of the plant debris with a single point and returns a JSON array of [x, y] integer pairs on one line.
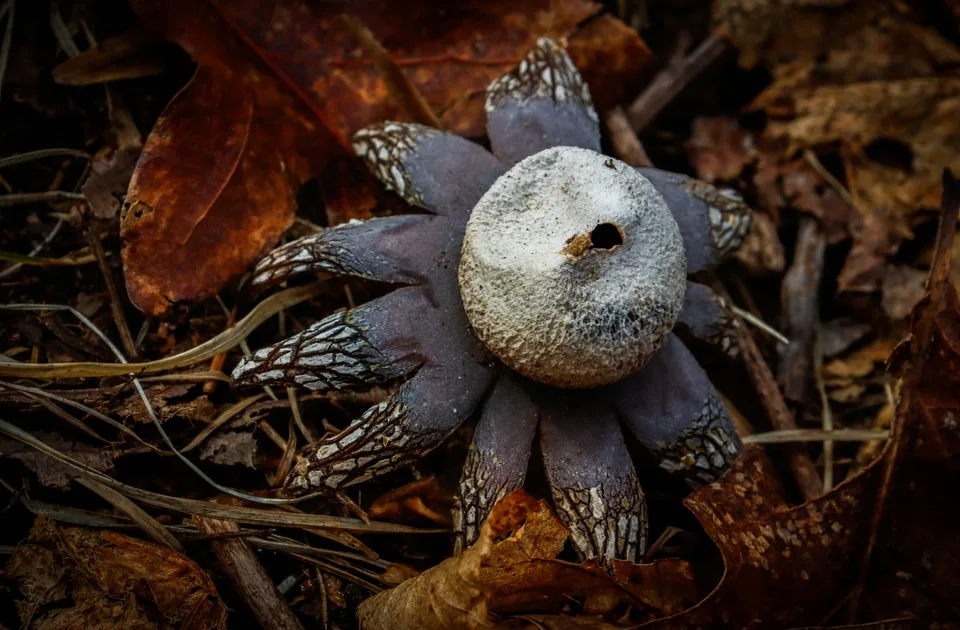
[[152, 152]]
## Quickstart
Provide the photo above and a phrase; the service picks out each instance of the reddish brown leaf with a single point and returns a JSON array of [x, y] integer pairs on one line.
[[71, 577], [719, 149], [912, 571], [784, 566], [451, 56], [416, 501], [208, 195], [190, 229], [521, 574]]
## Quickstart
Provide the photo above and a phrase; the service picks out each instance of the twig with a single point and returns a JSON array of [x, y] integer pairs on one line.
[[9, 8], [240, 514], [216, 364], [61, 33], [298, 417], [670, 81], [816, 435], [286, 460], [626, 144], [272, 434], [156, 421], [814, 162], [249, 577], [826, 413], [222, 419], [803, 468], [34, 391], [147, 523], [755, 321], [800, 304], [50, 196], [29, 156], [116, 306], [68, 418], [224, 341]]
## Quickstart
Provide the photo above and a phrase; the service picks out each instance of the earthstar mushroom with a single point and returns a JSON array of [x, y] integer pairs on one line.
[[538, 296]]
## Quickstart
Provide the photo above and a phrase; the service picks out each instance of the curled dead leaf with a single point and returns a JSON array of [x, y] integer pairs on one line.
[[208, 195], [70, 577], [50, 472], [521, 574], [415, 501]]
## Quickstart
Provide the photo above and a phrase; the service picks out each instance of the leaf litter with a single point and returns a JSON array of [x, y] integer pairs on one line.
[[856, 128]]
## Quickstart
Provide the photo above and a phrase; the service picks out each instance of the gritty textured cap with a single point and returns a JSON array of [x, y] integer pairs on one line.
[[573, 269]]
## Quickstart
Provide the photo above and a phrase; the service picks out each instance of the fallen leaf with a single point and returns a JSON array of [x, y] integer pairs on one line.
[[447, 596], [209, 195], [859, 363], [69, 577], [912, 571], [412, 502], [520, 574], [784, 566], [902, 289], [859, 75], [837, 335], [231, 448], [719, 149], [168, 402], [50, 472], [130, 55], [450, 57]]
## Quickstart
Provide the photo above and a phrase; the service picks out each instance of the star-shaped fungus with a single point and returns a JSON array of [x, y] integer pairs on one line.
[[538, 295]]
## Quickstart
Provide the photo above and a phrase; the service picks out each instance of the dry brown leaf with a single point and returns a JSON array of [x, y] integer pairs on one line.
[[49, 471], [447, 596], [859, 363], [719, 149], [912, 571], [860, 75], [784, 565], [415, 501], [762, 252], [450, 57], [902, 289], [168, 402], [70, 577], [520, 574], [209, 194], [231, 448]]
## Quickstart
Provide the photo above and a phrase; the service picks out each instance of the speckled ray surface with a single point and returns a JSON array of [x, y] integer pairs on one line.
[[396, 432], [542, 103], [351, 349], [442, 172], [714, 222], [672, 408], [707, 318], [594, 486], [398, 249], [497, 461]]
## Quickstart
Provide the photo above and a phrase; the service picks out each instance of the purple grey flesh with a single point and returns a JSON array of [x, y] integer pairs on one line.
[[419, 333]]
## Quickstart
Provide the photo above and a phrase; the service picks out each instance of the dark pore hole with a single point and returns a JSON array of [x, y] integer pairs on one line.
[[892, 153], [606, 236]]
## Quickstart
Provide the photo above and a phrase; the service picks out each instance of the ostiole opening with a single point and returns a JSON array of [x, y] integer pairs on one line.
[[606, 236]]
